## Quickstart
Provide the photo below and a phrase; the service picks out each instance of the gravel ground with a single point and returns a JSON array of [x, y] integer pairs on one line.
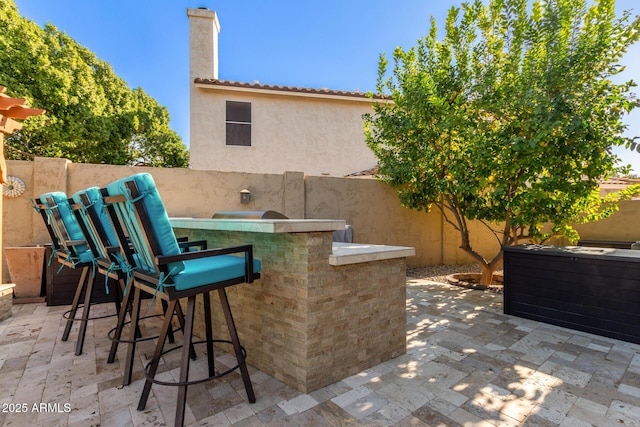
[[439, 273]]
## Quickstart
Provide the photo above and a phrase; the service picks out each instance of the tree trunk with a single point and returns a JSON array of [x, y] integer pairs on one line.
[[460, 224], [487, 274]]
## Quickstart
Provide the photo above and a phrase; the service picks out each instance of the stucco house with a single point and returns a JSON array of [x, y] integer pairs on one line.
[[253, 127]]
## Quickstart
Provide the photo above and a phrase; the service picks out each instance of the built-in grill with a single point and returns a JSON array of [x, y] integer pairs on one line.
[[249, 215]]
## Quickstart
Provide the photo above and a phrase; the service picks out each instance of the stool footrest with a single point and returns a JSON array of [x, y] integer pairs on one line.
[[67, 314], [111, 333], [201, 380]]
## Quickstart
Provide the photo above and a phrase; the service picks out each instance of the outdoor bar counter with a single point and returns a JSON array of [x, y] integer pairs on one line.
[[322, 311]]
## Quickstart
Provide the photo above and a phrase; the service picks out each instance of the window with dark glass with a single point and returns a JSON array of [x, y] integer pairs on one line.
[[238, 123]]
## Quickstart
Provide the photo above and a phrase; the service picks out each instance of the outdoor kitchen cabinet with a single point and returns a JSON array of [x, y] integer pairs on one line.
[[595, 290]]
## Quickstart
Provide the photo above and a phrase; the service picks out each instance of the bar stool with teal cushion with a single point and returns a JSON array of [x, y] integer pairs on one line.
[[73, 250], [163, 269], [112, 262], [115, 263]]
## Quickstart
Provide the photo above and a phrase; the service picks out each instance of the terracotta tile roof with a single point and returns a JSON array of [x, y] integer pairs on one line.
[[266, 87], [620, 181], [367, 172], [614, 182]]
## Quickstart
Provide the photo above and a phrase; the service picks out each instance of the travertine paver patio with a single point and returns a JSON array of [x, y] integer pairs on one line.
[[466, 364]]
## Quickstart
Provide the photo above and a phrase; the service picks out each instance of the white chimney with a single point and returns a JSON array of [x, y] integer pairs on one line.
[[203, 43]]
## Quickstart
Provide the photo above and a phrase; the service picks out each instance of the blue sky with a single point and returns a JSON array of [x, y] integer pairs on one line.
[[331, 44]]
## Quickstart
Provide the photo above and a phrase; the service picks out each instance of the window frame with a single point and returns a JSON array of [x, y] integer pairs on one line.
[[238, 123]]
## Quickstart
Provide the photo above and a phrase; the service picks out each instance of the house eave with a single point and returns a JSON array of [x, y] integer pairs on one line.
[[225, 86]]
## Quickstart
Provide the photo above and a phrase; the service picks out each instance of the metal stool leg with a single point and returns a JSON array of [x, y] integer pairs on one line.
[[153, 368], [118, 330], [131, 349], [74, 305], [186, 348], [165, 306], [85, 312], [122, 314], [117, 296], [236, 345], [180, 316], [209, 332], [184, 365]]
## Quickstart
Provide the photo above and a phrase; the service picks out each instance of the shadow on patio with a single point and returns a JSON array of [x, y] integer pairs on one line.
[[466, 364]]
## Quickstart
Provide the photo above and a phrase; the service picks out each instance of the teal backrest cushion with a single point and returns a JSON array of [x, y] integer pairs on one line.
[[157, 213], [68, 218], [93, 193], [96, 201]]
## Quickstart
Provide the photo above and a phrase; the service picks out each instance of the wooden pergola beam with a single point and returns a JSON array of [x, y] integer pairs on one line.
[[14, 108], [6, 103], [10, 109], [8, 125], [21, 112]]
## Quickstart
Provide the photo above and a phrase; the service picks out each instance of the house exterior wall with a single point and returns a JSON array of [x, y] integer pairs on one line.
[[319, 136], [317, 132]]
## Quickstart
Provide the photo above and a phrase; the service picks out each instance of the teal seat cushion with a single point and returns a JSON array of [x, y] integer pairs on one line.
[[185, 274], [205, 271], [82, 253], [158, 217]]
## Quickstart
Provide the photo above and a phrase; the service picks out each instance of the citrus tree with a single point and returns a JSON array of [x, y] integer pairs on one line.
[[508, 119]]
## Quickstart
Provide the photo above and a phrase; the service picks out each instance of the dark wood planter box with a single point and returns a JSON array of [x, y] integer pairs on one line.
[[590, 289], [61, 284]]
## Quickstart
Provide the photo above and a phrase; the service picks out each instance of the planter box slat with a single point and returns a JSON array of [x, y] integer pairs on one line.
[[61, 283], [608, 328], [559, 265], [600, 288], [624, 314]]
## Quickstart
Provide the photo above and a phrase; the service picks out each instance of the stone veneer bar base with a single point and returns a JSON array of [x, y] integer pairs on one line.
[[309, 323], [6, 300]]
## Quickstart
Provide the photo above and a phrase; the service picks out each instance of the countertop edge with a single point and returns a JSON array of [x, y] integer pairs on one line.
[[274, 226], [354, 253]]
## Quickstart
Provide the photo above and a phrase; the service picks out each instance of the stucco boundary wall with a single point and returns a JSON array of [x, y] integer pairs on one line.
[[371, 207]]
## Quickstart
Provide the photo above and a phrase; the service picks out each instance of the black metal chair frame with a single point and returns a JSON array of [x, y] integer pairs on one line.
[[108, 256], [153, 284], [63, 246]]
